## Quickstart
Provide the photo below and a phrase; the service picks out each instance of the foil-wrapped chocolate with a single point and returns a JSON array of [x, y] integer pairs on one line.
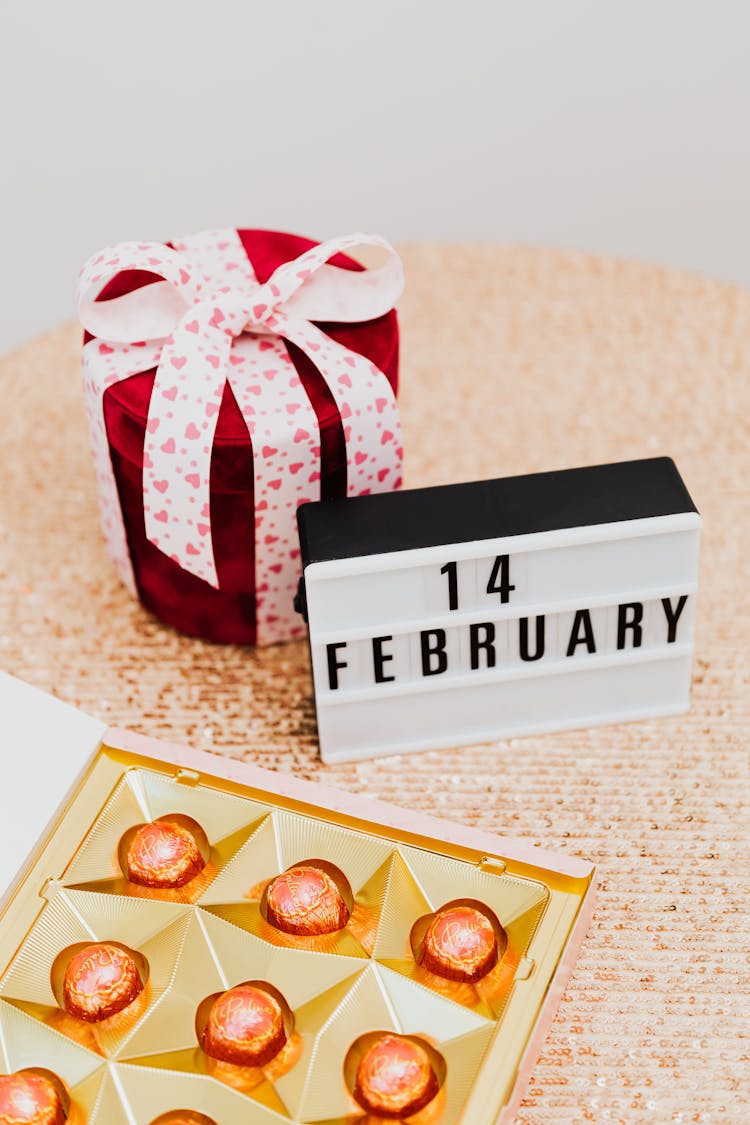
[[100, 980], [245, 1026], [395, 1077], [164, 854], [306, 901], [30, 1098], [460, 944], [183, 1117]]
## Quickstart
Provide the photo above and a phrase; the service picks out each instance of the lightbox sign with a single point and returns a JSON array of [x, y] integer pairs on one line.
[[472, 612]]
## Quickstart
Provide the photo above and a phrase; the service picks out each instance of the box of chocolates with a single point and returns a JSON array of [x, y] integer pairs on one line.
[[195, 941]]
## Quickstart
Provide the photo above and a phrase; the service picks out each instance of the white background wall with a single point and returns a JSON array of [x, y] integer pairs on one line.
[[619, 127]]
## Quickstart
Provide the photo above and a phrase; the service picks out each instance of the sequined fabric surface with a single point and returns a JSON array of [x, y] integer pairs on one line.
[[514, 360]]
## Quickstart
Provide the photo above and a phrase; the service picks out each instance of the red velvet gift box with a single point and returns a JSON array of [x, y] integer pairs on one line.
[[126, 382]]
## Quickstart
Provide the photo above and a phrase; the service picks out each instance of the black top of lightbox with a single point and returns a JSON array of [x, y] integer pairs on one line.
[[490, 509]]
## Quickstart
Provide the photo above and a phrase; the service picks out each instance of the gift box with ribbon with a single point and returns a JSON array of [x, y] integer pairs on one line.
[[229, 377]]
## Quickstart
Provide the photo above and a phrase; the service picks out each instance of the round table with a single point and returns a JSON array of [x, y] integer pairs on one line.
[[514, 360]]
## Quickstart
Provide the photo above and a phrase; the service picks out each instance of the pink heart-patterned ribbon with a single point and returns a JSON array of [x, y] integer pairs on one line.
[[209, 321]]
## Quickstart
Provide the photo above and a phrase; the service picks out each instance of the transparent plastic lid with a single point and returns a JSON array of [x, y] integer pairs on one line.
[[45, 744]]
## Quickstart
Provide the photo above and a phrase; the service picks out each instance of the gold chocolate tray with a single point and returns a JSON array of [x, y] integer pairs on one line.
[[196, 942]]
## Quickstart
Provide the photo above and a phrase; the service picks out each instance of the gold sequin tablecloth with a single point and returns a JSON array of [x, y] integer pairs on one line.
[[514, 360]]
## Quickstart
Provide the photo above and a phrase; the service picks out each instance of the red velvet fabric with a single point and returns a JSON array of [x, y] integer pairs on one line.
[[178, 598]]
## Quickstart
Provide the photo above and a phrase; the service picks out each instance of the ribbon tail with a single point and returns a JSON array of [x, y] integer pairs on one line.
[[182, 418], [367, 405], [285, 437], [104, 365]]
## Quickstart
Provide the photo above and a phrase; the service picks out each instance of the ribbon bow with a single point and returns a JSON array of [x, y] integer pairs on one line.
[[209, 321]]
